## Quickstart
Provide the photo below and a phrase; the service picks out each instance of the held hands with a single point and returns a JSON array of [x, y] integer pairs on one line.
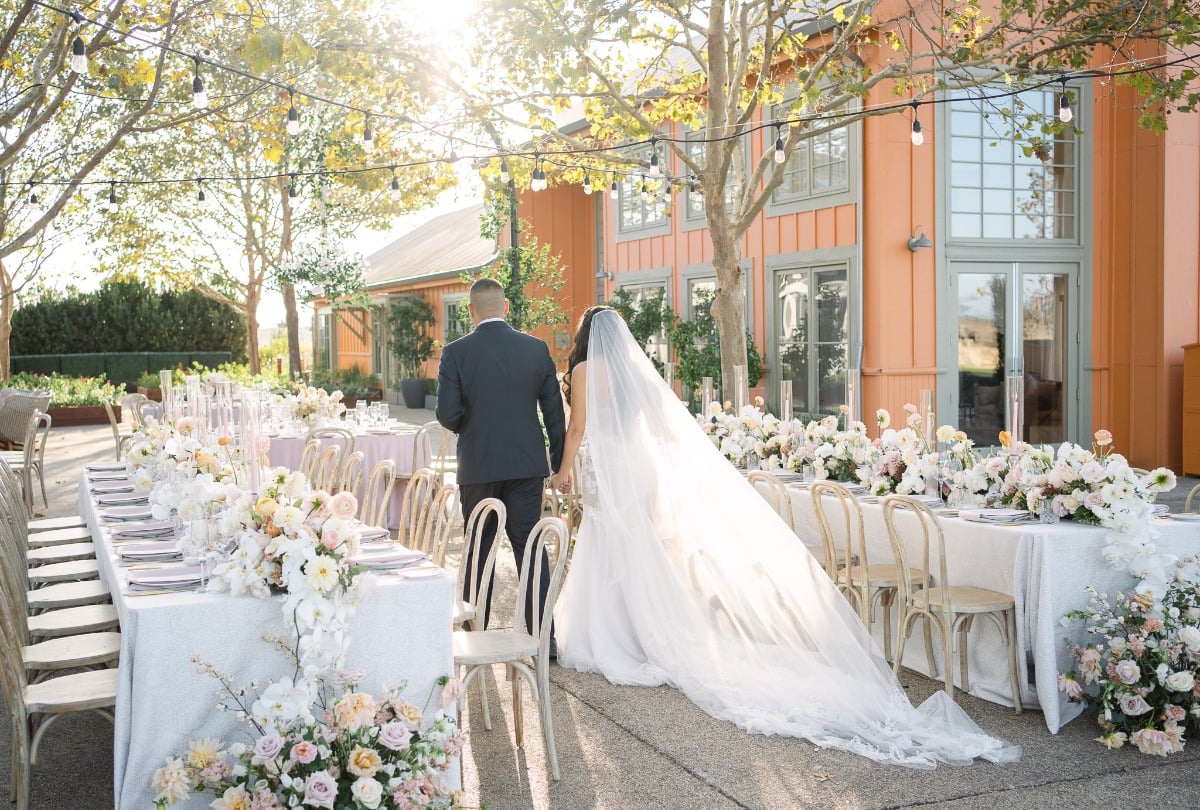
[[561, 481]]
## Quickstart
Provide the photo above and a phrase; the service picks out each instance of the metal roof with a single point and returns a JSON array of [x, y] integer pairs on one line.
[[445, 245]]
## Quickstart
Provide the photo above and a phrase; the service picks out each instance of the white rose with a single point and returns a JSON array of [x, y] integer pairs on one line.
[[1181, 681], [368, 792], [1190, 636]]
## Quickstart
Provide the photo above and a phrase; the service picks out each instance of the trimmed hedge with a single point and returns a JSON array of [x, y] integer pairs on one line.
[[121, 368]]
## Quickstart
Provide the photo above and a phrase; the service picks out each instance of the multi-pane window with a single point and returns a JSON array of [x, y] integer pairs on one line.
[[812, 317], [640, 203], [657, 347], [820, 164], [1007, 181], [693, 202], [454, 309]]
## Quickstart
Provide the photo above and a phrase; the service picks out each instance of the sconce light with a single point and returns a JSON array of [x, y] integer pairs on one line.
[[604, 274], [916, 242]]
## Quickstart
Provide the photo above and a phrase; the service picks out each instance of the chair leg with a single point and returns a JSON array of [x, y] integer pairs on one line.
[[1011, 625], [483, 700], [948, 649], [42, 481], [964, 672], [517, 717], [23, 760], [929, 659], [543, 677], [886, 597], [903, 628]]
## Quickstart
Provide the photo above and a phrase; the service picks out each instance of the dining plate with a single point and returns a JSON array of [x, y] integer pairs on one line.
[[124, 513], [97, 466], [1184, 516], [123, 499], [422, 572]]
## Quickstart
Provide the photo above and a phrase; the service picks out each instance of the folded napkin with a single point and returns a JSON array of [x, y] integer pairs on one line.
[[1160, 509], [148, 528], [110, 487], [373, 534], [119, 499], [169, 576], [154, 550], [97, 466], [123, 513], [996, 515], [113, 475], [394, 556]]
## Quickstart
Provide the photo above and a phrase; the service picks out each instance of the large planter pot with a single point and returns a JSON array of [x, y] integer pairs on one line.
[[430, 402], [81, 415], [412, 392], [151, 393]]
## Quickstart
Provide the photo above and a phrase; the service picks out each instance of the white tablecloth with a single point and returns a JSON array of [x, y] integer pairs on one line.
[[1045, 567], [401, 635], [286, 451]]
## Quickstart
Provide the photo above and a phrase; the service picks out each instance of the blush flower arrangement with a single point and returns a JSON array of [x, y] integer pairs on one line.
[[357, 751], [1143, 671]]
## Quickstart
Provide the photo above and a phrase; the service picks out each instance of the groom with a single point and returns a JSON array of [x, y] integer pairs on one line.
[[491, 383]]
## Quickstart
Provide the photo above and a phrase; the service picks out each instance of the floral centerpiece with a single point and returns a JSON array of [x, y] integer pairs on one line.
[[1144, 670], [362, 752], [312, 405], [904, 463]]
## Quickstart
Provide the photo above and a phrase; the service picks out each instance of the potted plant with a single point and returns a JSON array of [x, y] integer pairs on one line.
[[411, 321], [149, 386]]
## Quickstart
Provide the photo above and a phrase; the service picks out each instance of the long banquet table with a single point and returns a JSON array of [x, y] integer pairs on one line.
[[1044, 566], [397, 444], [401, 636]]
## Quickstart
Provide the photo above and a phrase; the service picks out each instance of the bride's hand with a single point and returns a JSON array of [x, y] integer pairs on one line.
[[561, 482]]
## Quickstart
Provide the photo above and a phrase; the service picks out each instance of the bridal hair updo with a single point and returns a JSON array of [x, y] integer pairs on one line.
[[579, 351]]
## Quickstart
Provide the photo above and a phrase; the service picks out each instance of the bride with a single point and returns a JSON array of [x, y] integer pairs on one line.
[[683, 575]]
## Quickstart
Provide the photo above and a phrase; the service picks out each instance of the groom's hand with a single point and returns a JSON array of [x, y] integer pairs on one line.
[[561, 482]]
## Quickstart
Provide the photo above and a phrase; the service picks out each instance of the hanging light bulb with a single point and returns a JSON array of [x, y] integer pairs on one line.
[[587, 183], [78, 56], [200, 197], [33, 200], [780, 156], [612, 188], [645, 190], [538, 182], [368, 138], [918, 137], [692, 187], [293, 192], [395, 182], [293, 117], [199, 94], [655, 169], [112, 196], [504, 175], [1065, 114]]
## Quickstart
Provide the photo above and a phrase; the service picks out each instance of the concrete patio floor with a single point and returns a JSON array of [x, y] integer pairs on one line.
[[626, 747]]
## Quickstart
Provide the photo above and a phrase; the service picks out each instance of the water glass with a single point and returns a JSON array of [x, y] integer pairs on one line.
[[360, 412], [1045, 511]]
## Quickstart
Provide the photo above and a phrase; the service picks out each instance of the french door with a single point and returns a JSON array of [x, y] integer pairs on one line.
[[1018, 319]]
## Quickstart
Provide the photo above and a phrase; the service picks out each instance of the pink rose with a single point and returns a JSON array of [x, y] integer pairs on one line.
[[304, 752], [1128, 672], [266, 748], [1134, 705], [1176, 713], [1089, 666], [394, 736], [1151, 741], [320, 790], [1103, 438]]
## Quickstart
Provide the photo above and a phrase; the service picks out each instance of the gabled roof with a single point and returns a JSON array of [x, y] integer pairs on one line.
[[445, 246]]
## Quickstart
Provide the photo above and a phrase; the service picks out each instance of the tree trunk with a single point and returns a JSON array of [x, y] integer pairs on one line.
[[293, 329], [729, 305], [252, 331], [7, 294]]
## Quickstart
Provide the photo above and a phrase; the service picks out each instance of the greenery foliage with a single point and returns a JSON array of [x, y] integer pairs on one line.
[[127, 316], [69, 391], [537, 271], [411, 321], [352, 382], [652, 316]]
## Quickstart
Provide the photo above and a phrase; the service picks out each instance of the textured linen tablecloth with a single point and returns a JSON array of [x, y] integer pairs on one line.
[[401, 635], [286, 451], [1044, 566]]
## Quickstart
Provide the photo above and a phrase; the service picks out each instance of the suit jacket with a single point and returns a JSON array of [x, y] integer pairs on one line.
[[491, 383]]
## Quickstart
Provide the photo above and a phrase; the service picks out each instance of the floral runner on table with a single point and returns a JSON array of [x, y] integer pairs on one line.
[[318, 741], [1144, 670]]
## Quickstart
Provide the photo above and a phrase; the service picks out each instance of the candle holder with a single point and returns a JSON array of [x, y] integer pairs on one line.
[[706, 396], [1014, 408], [785, 400], [929, 416], [853, 391], [248, 436], [741, 391]]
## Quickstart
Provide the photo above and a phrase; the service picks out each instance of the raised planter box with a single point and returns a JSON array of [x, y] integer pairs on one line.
[[80, 415], [151, 393]]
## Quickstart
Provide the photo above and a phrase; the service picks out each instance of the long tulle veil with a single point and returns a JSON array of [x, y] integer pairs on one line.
[[727, 604]]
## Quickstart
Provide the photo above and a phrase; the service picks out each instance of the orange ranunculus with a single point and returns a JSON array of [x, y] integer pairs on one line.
[[1005, 439]]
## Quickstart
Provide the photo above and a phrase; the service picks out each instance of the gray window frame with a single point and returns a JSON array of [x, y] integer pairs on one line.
[[692, 273], [660, 276], [625, 186], [450, 300], [780, 204], [690, 221]]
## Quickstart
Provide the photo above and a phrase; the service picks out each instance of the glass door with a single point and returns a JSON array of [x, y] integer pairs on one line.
[[1012, 319]]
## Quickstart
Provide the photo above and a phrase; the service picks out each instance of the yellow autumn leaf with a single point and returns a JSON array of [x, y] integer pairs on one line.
[[273, 153], [839, 13]]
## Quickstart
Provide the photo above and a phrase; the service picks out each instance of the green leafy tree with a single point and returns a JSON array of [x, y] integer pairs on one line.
[[697, 346], [647, 320], [714, 65], [411, 321]]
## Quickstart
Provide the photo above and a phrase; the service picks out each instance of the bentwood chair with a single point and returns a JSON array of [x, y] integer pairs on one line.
[[442, 459], [951, 609], [774, 492], [72, 542], [34, 706], [866, 584], [473, 580], [325, 471], [29, 461], [377, 495], [350, 474], [120, 437], [132, 404], [438, 525], [414, 507], [524, 649], [1187, 505], [339, 435]]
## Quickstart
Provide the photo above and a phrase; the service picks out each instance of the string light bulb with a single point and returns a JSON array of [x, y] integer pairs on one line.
[[368, 138], [112, 196], [293, 117], [200, 196], [79, 60], [33, 200], [918, 137], [612, 188], [293, 192], [504, 175], [395, 182], [587, 183], [538, 182], [780, 155], [645, 191], [1065, 113], [655, 169], [199, 94]]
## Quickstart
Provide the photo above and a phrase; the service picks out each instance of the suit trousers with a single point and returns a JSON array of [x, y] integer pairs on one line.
[[522, 499]]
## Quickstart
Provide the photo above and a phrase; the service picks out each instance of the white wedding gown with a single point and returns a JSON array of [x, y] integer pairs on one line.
[[682, 575]]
